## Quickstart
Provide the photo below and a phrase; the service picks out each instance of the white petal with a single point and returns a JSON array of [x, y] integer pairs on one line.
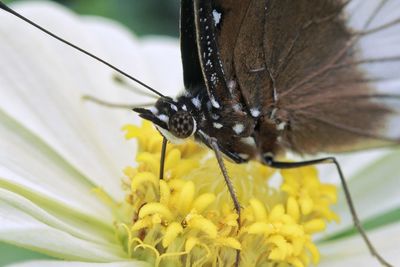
[[351, 164], [47, 99], [162, 55], [78, 264], [153, 60], [379, 45], [353, 251], [24, 224], [361, 11], [369, 15], [30, 168], [374, 191]]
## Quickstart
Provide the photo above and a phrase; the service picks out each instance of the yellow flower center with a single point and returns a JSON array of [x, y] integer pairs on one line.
[[188, 219]]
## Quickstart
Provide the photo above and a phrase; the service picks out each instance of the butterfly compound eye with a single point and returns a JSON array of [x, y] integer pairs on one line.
[[182, 124]]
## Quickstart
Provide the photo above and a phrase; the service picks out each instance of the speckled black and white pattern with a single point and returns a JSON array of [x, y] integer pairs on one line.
[[182, 124]]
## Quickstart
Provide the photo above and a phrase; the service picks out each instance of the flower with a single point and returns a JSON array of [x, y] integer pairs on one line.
[[61, 162], [187, 218]]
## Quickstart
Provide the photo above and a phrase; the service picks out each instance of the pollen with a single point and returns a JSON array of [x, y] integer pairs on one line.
[[187, 219]]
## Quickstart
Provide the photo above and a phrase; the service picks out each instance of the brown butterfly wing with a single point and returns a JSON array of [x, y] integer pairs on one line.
[[210, 74], [297, 62], [192, 73]]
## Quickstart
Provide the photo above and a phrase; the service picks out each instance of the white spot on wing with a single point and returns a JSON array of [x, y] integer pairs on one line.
[[255, 112], [237, 107], [238, 128], [281, 126], [217, 17], [214, 103], [196, 102], [231, 86], [174, 107], [214, 79], [217, 125]]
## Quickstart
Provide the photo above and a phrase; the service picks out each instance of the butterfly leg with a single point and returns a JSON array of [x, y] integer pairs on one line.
[[331, 160], [228, 181], [162, 158], [214, 145]]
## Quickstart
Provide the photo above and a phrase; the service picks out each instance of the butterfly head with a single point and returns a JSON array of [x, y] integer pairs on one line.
[[173, 120]]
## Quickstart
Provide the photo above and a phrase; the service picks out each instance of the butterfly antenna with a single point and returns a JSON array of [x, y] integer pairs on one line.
[[13, 12]]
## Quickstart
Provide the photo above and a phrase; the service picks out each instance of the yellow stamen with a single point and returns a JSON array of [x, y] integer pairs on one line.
[[155, 208], [203, 201], [173, 230], [198, 222], [188, 219], [141, 178]]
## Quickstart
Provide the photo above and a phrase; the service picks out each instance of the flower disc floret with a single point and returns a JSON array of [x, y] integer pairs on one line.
[[187, 219]]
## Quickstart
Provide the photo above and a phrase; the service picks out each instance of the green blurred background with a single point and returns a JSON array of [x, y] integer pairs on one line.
[[144, 17]]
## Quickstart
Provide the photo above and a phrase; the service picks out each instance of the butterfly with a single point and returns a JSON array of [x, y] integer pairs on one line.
[[267, 77]]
